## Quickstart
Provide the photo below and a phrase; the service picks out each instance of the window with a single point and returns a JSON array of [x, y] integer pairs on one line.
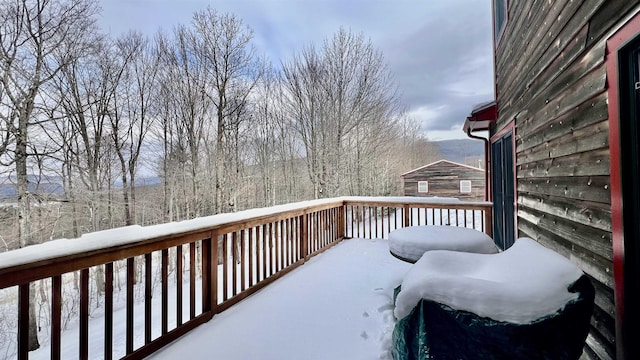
[[423, 186], [465, 186], [499, 17]]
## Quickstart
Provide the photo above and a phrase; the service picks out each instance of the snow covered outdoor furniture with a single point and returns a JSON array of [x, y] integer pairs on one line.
[[411, 242], [527, 302]]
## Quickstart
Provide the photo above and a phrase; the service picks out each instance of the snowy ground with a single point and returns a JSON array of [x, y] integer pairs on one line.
[[336, 306]]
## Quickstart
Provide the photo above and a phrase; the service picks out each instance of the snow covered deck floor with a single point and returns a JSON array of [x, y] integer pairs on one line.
[[336, 306]]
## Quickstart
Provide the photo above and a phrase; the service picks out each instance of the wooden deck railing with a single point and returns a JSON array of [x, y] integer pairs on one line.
[[375, 217], [203, 266]]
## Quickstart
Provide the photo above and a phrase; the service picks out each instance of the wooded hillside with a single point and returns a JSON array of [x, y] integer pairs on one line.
[[198, 108]]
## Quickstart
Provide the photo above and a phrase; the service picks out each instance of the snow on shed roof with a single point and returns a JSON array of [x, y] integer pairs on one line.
[[441, 161]]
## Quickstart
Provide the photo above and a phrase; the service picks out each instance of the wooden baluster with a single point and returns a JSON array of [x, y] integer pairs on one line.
[[351, 222], [252, 254], [179, 270], [304, 234], [56, 317], [276, 248], [243, 271], [108, 311], [165, 290], [207, 284], [332, 222], [395, 218], [192, 280], [215, 250], [23, 321], [273, 250], [298, 239], [407, 217], [234, 263], [225, 267], [263, 241], [317, 231], [130, 302], [289, 242], [358, 218], [321, 230], [147, 298], [313, 233], [84, 315]]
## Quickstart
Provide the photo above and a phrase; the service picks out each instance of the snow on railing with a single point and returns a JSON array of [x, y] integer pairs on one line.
[[375, 217], [147, 286]]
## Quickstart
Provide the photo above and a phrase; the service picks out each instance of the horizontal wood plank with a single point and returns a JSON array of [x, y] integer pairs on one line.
[[588, 113], [587, 188], [593, 137], [593, 163], [591, 214], [594, 240]]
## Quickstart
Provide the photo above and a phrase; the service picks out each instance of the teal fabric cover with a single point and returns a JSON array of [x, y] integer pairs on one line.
[[436, 331]]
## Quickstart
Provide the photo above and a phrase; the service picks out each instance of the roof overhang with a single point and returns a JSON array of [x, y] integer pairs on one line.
[[481, 117]]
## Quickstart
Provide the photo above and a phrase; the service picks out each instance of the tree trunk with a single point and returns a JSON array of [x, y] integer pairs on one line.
[[219, 160], [132, 193]]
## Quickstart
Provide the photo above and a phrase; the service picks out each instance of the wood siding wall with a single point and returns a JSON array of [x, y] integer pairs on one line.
[[551, 78], [444, 181]]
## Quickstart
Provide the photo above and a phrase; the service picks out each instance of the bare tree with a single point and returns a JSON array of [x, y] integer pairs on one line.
[[184, 80], [86, 88], [131, 118], [37, 39], [223, 44], [333, 94]]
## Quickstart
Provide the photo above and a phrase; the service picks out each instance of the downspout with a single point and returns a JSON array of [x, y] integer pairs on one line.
[[486, 162]]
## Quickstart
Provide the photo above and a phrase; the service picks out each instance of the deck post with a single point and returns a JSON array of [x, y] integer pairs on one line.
[[488, 225], [406, 219]]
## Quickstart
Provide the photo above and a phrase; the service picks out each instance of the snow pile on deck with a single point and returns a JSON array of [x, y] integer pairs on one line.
[[522, 284], [413, 241]]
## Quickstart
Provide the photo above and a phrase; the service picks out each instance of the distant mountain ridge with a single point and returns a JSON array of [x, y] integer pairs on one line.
[[52, 185], [464, 151]]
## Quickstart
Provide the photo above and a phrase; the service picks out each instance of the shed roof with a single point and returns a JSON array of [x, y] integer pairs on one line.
[[439, 162]]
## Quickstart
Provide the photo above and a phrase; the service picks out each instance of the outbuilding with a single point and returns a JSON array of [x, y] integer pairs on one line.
[[445, 178]]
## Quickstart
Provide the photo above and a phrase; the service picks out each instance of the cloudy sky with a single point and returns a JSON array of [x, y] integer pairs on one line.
[[439, 50]]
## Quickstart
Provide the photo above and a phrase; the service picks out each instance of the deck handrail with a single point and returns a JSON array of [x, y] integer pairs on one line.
[[230, 256]]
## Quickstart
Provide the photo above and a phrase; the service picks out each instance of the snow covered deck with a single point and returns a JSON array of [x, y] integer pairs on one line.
[[338, 305], [190, 271]]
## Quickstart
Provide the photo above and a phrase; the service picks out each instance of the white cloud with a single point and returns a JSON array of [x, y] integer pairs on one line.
[[455, 132], [440, 51]]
